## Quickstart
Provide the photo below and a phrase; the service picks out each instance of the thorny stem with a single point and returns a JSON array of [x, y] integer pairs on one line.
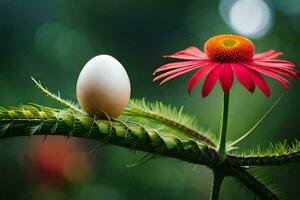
[[224, 123], [216, 187]]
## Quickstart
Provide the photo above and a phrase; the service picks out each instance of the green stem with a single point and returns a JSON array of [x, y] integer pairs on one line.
[[29, 120], [216, 187], [257, 123], [265, 160], [253, 183], [224, 123]]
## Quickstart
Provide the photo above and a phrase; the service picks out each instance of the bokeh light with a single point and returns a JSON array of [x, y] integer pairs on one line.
[[61, 43], [252, 18]]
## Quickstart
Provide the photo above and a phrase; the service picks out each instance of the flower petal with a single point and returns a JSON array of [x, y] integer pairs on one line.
[[199, 74], [273, 75], [289, 73], [191, 53], [268, 55], [278, 63], [170, 75], [259, 81], [175, 65], [226, 76], [194, 51], [242, 75], [286, 71], [210, 81]]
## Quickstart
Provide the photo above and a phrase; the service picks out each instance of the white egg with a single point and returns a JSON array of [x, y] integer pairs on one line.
[[103, 86]]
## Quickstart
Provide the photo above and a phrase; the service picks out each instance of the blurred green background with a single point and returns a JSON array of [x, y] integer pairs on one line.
[[52, 40]]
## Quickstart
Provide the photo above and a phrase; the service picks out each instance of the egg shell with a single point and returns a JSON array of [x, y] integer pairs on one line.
[[103, 86]]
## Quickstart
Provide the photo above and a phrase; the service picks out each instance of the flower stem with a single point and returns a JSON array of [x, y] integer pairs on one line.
[[216, 187], [218, 177], [224, 123]]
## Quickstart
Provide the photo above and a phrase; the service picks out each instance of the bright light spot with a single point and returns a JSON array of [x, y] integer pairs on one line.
[[250, 17]]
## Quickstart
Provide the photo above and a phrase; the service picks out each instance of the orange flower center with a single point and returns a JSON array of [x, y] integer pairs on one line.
[[229, 48]]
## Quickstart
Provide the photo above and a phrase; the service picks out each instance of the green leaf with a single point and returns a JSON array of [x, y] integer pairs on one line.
[[4, 128], [167, 119], [258, 184], [276, 154], [33, 129]]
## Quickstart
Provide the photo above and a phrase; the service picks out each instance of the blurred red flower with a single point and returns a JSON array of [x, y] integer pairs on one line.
[[58, 160]]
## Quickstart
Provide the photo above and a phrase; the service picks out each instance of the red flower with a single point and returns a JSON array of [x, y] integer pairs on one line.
[[224, 57]]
